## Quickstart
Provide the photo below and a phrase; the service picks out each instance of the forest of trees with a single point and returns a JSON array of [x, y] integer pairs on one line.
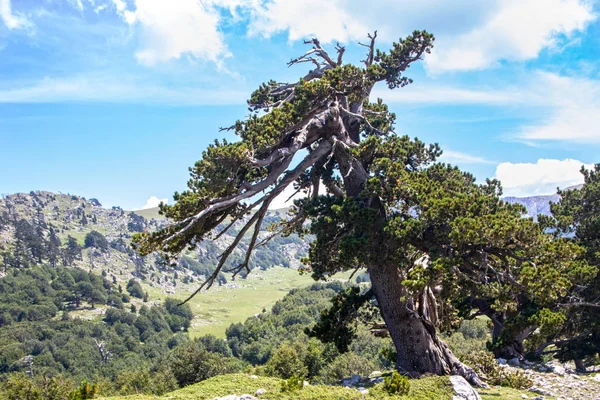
[[39, 336]]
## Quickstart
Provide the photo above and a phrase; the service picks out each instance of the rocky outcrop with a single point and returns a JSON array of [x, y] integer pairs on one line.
[[462, 389]]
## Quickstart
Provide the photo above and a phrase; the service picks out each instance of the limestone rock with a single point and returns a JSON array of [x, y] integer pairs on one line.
[[462, 389]]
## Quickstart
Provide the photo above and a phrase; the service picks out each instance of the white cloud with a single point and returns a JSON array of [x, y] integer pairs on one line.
[[470, 34], [519, 30], [172, 29], [457, 157], [11, 20], [154, 201], [125, 91], [327, 20], [540, 178]]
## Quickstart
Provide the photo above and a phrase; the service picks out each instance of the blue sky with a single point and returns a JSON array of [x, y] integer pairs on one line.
[[114, 99]]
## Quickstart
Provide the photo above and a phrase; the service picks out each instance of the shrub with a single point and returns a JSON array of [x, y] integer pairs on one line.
[[22, 387], [347, 364], [97, 240], [192, 363], [396, 384], [135, 289], [85, 391], [287, 362], [485, 364], [292, 384]]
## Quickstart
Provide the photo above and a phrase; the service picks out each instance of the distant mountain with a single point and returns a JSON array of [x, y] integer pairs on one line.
[[35, 228], [537, 205]]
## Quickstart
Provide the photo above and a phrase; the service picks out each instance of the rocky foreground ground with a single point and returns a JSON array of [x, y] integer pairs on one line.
[[558, 381]]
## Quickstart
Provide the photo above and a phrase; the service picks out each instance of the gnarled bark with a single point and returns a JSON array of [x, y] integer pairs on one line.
[[419, 350]]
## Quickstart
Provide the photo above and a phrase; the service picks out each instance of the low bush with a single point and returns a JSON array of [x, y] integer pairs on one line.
[[485, 364], [396, 384], [292, 384]]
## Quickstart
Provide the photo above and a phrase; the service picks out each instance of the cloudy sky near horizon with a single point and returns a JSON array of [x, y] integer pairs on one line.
[[114, 99]]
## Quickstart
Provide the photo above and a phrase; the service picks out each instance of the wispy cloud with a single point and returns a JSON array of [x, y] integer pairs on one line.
[[102, 90], [12, 20], [457, 157], [574, 114]]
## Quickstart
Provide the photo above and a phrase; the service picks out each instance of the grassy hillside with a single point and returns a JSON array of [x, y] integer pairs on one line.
[[214, 310], [438, 388], [223, 385]]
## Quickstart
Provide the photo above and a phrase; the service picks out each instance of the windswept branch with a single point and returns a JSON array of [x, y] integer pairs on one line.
[[323, 148]]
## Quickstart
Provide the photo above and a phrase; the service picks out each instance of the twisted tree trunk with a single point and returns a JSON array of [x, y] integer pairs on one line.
[[419, 349]]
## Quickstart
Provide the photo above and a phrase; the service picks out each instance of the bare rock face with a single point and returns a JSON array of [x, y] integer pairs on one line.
[[462, 389]]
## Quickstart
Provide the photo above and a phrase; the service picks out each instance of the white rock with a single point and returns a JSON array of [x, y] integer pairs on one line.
[[524, 396], [596, 378], [538, 390], [363, 391], [462, 389], [260, 392], [236, 397], [253, 377]]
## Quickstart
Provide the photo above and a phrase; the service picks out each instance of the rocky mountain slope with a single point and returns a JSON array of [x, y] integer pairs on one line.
[[537, 205], [37, 226]]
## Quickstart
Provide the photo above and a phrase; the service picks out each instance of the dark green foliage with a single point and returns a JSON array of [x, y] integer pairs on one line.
[[22, 387], [30, 301], [396, 384], [97, 240], [258, 337], [72, 251], [577, 217], [335, 325], [287, 361], [192, 363], [135, 289]]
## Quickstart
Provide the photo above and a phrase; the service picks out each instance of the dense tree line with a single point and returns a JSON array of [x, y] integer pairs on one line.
[[39, 336]]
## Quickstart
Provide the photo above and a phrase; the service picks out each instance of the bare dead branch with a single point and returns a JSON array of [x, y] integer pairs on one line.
[[371, 52], [579, 303], [321, 51], [340, 50]]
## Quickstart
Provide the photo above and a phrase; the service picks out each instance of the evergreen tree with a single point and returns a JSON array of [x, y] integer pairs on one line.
[[53, 250], [97, 240], [72, 251], [577, 217], [427, 234]]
